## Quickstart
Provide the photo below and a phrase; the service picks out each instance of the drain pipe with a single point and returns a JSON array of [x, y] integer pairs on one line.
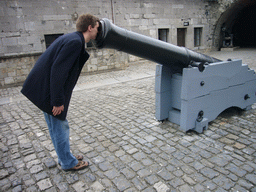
[[112, 10]]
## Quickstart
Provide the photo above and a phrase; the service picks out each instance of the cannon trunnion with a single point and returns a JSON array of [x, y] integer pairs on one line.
[[191, 89]]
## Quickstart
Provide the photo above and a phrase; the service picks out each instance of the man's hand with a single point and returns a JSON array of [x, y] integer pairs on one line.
[[57, 110]]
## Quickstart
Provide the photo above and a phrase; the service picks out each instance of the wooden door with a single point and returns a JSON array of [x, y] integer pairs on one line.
[[181, 36]]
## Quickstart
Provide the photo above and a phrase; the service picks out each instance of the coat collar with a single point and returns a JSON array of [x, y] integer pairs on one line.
[[82, 39]]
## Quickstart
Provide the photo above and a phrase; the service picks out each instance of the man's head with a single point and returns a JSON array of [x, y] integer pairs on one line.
[[88, 25], [84, 21]]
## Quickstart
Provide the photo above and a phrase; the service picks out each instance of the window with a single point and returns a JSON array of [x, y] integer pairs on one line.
[[197, 36], [50, 38], [163, 34]]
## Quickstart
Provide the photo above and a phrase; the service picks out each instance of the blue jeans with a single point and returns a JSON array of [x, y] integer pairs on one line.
[[59, 132]]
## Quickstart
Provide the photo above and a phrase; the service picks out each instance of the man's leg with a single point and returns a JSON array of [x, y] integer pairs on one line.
[[59, 132]]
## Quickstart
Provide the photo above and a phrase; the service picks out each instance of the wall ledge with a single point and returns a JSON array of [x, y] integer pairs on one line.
[[18, 55]]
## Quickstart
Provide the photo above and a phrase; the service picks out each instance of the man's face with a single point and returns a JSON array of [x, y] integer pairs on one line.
[[94, 31]]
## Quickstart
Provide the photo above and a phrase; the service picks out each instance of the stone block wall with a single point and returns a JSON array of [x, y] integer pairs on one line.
[[105, 59], [24, 24], [14, 69]]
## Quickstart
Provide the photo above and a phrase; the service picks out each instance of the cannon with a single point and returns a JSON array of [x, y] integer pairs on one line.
[[176, 58], [191, 88]]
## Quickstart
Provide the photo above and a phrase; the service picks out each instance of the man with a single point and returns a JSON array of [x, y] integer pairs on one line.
[[51, 82]]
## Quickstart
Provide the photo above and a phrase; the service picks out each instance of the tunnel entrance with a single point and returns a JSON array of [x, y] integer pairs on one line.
[[236, 27], [244, 27]]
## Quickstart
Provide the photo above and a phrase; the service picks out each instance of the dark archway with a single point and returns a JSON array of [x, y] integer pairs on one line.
[[238, 21], [244, 27]]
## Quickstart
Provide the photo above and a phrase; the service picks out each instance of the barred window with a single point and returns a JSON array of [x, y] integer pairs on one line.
[[197, 36]]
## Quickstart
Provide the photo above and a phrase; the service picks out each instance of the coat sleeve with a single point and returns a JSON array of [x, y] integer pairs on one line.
[[60, 70]]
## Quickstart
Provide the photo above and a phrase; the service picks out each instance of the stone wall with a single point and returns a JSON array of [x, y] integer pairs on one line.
[[14, 69], [105, 59], [25, 22]]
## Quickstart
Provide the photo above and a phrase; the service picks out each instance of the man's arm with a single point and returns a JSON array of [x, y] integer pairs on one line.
[[60, 70]]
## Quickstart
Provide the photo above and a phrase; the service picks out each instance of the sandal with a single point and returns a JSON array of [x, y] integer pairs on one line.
[[78, 157], [80, 165]]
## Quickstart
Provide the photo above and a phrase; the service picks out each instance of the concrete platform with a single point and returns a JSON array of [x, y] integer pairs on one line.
[[229, 49]]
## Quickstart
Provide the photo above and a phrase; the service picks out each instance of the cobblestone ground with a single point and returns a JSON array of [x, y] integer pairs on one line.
[[112, 124]]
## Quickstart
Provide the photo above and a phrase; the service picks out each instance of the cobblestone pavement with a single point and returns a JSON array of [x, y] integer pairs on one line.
[[112, 124]]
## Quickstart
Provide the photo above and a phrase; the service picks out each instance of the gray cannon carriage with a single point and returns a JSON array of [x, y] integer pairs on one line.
[[191, 89]]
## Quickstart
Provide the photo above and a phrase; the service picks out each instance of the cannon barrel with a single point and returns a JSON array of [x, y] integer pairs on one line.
[[175, 57]]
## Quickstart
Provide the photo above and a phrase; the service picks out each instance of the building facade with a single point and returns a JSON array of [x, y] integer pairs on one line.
[[27, 27]]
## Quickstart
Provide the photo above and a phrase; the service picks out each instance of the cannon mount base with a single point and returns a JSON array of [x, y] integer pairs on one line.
[[197, 96]]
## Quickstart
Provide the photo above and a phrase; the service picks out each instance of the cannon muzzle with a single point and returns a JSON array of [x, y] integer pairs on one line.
[[174, 57]]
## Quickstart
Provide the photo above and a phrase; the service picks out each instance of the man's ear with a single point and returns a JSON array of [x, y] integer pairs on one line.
[[89, 28]]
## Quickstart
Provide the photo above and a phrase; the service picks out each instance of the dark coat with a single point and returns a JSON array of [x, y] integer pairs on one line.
[[54, 76]]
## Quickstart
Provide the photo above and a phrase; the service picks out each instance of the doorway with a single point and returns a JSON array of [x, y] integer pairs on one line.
[[181, 34]]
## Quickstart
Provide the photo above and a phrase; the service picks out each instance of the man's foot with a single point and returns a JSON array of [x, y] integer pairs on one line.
[[79, 157], [80, 165]]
